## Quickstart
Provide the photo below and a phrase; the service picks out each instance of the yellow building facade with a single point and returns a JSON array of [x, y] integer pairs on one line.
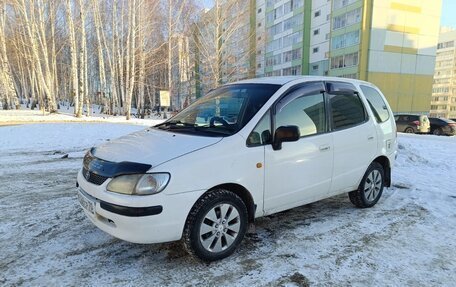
[[396, 50], [402, 49]]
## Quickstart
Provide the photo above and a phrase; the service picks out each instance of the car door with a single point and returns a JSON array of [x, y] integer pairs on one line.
[[354, 135], [300, 172]]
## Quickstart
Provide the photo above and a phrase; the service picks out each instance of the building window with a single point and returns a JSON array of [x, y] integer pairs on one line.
[[315, 67], [345, 61], [444, 45], [345, 40], [318, 13], [259, 24], [292, 22], [259, 65], [292, 39], [315, 50], [342, 3], [278, 12], [274, 60], [292, 55], [347, 19], [316, 32], [259, 11], [293, 71], [274, 30]]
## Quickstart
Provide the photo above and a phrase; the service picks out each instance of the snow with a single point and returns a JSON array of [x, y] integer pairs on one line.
[[408, 238], [10, 117]]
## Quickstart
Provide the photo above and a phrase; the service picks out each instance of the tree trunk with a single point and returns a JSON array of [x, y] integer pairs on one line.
[[132, 46], [74, 61]]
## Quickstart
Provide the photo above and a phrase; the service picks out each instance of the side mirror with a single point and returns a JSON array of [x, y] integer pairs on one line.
[[285, 134]]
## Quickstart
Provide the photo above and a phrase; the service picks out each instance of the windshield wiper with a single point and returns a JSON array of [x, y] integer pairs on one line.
[[173, 124]]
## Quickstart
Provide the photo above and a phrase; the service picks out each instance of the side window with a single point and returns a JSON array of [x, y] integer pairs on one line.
[[347, 110], [261, 134], [307, 112], [376, 103]]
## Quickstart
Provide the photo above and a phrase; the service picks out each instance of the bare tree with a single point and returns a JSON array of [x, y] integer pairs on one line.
[[7, 88], [222, 39]]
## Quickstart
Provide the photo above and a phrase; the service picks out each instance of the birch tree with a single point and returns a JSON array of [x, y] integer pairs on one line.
[[7, 88], [74, 61]]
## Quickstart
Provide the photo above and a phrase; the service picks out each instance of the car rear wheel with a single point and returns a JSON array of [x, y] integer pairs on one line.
[[437, 132], [410, 130], [371, 187], [215, 226]]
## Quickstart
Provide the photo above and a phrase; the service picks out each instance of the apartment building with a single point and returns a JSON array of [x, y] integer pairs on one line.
[[443, 102], [391, 43]]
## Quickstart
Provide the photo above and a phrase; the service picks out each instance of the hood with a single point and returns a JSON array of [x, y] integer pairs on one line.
[[151, 146]]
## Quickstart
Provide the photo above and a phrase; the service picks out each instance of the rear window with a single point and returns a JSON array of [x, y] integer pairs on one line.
[[376, 103], [347, 111]]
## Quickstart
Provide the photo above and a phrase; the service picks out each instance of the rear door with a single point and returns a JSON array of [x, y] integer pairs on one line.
[[354, 136]]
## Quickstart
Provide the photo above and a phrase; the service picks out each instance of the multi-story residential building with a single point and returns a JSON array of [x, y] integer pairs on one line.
[[391, 43], [443, 102]]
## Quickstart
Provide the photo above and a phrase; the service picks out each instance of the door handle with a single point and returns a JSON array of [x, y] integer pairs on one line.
[[370, 138], [325, 147]]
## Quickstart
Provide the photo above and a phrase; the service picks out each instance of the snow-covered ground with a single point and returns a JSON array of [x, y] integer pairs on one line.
[[408, 238], [11, 117]]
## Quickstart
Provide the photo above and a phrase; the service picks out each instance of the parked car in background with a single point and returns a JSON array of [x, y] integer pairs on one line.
[[412, 124], [245, 150], [442, 126]]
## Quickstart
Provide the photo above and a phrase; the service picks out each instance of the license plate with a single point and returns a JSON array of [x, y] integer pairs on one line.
[[86, 203]]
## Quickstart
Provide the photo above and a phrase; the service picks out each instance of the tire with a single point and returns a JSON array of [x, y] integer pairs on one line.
[[410, 130], [437, 132], [368, 194], [215, 226]]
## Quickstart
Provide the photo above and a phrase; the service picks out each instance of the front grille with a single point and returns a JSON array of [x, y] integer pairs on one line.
[[93, 177]]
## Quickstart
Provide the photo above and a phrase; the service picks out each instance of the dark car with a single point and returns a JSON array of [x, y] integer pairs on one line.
[[442, 126], [406, 123]]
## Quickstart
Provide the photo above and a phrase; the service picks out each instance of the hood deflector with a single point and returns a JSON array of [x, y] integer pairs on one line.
[[112, 169]]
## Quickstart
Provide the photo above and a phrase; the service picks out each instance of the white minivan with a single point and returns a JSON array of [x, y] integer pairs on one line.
[[245, 150]]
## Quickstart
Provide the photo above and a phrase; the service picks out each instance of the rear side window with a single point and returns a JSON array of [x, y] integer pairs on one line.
[[347, 110], [376, 103]]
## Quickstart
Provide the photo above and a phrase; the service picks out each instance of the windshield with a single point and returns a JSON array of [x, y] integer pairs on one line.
[[222, 112]]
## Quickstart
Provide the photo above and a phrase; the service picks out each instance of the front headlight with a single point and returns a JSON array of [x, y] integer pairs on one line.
[[139, 184]]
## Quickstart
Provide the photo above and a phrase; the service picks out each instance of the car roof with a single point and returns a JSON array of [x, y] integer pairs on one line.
[[442, 119], [282, 80]]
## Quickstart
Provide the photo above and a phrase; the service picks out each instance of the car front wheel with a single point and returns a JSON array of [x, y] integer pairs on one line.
[[371, 187], [215, 226]]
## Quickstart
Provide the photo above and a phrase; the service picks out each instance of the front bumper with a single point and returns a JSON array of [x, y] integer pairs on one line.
[[139, 219]]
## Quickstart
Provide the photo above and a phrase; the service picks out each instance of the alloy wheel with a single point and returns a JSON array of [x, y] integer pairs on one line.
[[220, 228], [373, 185]]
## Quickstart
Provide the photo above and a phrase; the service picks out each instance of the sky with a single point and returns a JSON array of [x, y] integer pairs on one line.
[[448, 13]]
